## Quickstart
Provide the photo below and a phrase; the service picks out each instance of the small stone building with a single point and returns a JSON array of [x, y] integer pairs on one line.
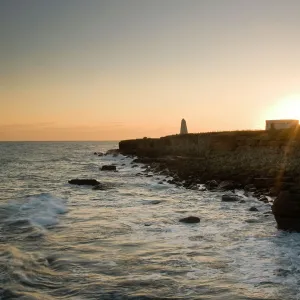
[[281, 124]]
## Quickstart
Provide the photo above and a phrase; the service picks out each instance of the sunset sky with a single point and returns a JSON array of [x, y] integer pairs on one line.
[[110, 70]]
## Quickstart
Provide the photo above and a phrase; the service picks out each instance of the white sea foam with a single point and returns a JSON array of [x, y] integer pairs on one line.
[[42, 209]]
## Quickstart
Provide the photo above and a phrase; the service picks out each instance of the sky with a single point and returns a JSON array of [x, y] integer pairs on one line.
[[122, 69]]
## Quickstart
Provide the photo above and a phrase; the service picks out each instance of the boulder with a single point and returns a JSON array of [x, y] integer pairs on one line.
[[253, 208], [100, 154], [190, 219], [230, 198], [286, 210], [108, 168], [92, 182]]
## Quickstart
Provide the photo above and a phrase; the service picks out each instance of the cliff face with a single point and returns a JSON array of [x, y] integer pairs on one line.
[[206, 144], [225, 155]]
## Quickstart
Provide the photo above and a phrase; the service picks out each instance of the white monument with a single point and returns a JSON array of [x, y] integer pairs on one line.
[[183, 127]]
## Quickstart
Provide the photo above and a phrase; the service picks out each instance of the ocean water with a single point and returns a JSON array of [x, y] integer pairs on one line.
[[59, 241]]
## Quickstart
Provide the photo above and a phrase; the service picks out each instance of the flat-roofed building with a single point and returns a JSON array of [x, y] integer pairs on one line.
[[281, 124]]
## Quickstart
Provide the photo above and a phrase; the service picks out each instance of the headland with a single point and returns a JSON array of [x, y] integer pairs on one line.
[[264, 162]]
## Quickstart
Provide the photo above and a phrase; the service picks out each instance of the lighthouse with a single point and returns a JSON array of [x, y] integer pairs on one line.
[[183, 127]]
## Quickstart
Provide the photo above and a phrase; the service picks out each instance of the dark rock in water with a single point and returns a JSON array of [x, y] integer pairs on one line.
[[149, 175], [113, 152], [190, 219], [286, 209], [98, 153], [134, 166], [230, 198], [92, 182], [108, 168], [227, 185], [160, 182], [263, 199], [242, 201], [212, 184], [253, 208]]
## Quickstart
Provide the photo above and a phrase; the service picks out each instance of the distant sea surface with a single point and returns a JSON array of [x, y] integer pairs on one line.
[[59, 241]]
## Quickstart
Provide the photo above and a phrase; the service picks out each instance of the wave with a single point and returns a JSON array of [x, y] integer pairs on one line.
[[41, 209]]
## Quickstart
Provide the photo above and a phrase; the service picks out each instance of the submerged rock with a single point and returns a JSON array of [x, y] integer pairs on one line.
[[286, 209], [92, 182], [190, 219], [253, 208], [108, 168]]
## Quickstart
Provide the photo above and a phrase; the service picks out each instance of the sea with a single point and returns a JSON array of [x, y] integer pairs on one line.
[[60, 241]]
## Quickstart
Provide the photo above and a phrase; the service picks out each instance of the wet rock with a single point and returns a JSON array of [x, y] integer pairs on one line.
[[242, 201], [190, 220], [113, 152], [212, 184], [149, 175], [263, 199], [230, 198], [98, 153], [286, 210], [134, 166], [253, 208], [92, 182], [108, 168], [160, 182]]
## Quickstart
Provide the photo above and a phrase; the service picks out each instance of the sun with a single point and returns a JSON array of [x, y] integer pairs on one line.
[[286, 108]]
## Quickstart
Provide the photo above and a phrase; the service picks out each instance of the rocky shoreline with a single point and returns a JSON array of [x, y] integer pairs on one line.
[[268, 172]]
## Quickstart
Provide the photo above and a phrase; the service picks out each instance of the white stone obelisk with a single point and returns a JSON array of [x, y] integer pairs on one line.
[[183, 127]]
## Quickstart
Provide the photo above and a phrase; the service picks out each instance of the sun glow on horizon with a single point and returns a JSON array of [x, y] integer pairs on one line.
[[286, 108]]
